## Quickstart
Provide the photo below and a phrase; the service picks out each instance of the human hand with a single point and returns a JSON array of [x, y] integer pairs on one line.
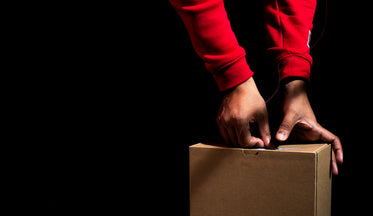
[[241, 107], [299, 121]]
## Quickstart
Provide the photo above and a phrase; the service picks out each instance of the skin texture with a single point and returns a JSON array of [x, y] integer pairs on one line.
[[299, 122], [243, 106]]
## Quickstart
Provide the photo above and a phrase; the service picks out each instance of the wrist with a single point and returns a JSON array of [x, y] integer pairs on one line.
[[247, 85], [294, 87]]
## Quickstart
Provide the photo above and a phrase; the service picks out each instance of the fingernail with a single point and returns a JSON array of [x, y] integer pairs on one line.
[[268, 140], [282, 135]]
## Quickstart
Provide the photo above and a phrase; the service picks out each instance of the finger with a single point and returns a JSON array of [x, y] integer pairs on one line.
[[245, 139], [232, 136], [224, 134], [337, 148], [286, 126], [334, 165], [256, 142], [244, 134], [264, 131], [329, 137]]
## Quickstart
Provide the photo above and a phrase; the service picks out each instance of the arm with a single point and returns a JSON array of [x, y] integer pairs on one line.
[[214, 41], [288, 26], [299, 121]]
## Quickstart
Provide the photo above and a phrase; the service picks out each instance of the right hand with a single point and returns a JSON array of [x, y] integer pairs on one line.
[[241, 107], [300, 122]]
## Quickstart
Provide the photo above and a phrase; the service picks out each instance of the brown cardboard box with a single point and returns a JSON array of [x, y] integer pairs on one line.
[[294, 180]]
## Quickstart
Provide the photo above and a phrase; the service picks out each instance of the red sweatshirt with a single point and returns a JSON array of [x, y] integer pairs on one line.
[[288, 24]]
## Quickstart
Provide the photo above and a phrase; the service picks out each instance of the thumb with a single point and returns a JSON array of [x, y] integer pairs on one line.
[[286, 127]]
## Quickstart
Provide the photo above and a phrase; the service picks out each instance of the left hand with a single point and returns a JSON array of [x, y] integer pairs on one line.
[[300, 123]]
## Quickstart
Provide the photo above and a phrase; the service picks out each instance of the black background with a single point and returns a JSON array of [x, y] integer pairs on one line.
[[106, 98]]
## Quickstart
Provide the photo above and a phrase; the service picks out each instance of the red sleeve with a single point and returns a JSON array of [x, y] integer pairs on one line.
[[288, 25], [214, 41]]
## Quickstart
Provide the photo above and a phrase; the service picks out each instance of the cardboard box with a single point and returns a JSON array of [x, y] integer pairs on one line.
[[294, 180]]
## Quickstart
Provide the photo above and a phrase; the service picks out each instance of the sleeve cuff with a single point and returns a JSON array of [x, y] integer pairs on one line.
[[233, 75], [291, 62], [294, 66]]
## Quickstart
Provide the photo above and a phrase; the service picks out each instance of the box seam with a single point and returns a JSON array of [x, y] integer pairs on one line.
[[316, 182]]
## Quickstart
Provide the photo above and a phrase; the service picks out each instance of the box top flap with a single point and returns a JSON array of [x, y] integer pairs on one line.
[[299, 148]]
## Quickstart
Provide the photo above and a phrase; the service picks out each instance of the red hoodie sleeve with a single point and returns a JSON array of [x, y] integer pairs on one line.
[[214, 41], [288, 25]]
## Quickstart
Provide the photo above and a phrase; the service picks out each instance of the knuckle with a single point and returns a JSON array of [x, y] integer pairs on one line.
[[285, 126], [227, 119], [235, 117], [336, 141], [248, 144]]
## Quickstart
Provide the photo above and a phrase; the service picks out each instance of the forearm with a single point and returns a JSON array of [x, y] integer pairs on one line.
[[214, 41], [288, 25]]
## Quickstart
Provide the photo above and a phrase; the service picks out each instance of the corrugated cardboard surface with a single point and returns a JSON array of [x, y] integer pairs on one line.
[[324, 181], [294, 180]]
